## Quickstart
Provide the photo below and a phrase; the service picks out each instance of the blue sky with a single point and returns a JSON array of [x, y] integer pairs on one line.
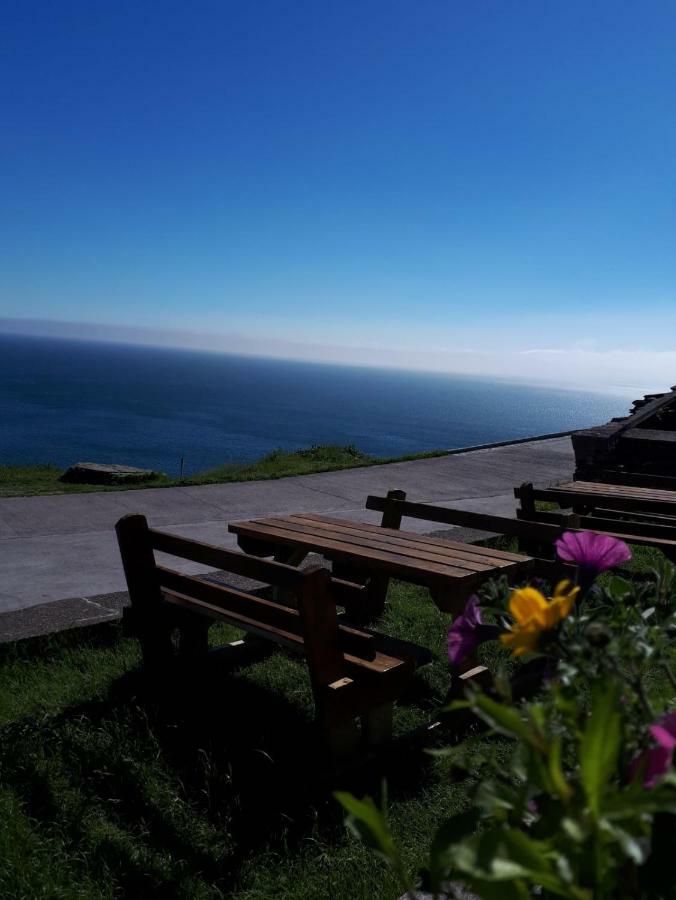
[[477, 186]]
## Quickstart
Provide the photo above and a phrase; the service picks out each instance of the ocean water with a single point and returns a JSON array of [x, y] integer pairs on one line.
[[62, 401]]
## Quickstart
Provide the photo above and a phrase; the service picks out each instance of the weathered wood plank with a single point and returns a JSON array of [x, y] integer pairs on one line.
[[393, 563], [270, 614], [611, 499], [468, 519], [233, 561], [410, 539], [387, 541]]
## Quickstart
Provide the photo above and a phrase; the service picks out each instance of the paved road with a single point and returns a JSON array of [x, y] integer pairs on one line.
[[63, 546]]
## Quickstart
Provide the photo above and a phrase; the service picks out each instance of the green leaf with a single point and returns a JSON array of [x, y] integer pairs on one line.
[[456, 705], [600, 744], [634, 849], [619, 588], [504, 719], [517, 890], [505, 855], [450, 833], [633, 803], [575, 831], [559, 782], [368, 823]]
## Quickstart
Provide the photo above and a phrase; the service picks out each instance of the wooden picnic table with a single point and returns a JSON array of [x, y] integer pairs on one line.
[[626, 498], [449, 569]]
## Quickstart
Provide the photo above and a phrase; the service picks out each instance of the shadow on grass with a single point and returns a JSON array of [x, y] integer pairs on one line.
[[165, 790]]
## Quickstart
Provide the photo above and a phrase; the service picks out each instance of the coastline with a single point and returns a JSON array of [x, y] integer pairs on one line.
[[43, 479]]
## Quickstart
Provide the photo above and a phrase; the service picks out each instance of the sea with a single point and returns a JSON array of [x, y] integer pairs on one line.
[[63, 401]]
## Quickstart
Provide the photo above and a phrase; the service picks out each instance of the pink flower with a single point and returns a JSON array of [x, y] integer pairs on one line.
[[656, 761], [592, 553]]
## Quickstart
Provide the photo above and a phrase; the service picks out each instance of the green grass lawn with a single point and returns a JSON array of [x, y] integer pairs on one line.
[[217, 788], [16, 481], [215, 792]]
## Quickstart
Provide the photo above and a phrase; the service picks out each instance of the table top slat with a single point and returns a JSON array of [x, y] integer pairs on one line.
[[419, 571], [360, 541], [401, 554], [398, 541], [617, 490], [487, 553]]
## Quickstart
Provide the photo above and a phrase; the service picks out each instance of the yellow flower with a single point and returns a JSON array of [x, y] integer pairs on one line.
[[534, 614]]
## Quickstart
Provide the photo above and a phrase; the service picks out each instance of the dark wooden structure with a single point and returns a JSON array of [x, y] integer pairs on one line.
[[356, 673], [374, 553], [636, 515], [637, 449]]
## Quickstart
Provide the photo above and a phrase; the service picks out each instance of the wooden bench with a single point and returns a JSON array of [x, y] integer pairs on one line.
[[587, 496], [356, 674], [635, 514], [638, 479], [536, 536]]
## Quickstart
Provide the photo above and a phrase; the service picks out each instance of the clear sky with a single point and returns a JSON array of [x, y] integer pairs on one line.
[[478, 186]]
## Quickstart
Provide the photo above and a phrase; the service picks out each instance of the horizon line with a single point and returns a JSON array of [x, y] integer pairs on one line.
[[307, 352]]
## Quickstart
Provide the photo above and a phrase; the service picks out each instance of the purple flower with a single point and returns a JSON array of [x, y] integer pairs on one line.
[[467, 632], [656, 761], [592, 553], [462, 636]]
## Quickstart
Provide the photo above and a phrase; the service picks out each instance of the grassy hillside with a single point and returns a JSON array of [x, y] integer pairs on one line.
[[21, 481]]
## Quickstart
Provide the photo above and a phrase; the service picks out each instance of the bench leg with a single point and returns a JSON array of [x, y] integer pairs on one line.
[[194, 639], [157, 648], [377, 725]]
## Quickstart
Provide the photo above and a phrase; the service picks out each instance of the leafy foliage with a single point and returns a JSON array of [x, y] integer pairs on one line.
[[569, 815]]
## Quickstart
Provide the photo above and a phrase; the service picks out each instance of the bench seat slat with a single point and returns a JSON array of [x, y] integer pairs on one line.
[[269, 614], [380, 664]]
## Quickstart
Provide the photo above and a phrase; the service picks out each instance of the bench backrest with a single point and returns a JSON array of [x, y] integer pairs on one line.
[[307, 623], [652, 530], [534, 529], [395, 506]]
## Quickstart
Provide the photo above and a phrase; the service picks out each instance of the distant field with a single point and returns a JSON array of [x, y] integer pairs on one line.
[[23, 481]]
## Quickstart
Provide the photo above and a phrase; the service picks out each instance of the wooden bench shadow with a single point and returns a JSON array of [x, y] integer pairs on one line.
[[247, 760]]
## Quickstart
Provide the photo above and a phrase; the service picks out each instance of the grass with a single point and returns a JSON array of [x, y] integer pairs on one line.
[[214, 789], [21, 481], [108, 792]]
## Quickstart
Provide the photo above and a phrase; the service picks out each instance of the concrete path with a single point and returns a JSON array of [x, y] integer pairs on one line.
[[63, 546]]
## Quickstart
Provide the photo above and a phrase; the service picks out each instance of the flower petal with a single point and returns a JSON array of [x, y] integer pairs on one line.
[[592, 552], [527, 603]]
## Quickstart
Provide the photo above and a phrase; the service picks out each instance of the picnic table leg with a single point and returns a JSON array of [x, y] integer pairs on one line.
[[290, 556], [378, 584], [377, 725]]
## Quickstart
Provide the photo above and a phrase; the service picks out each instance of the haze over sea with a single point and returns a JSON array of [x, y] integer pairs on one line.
[[62, 401]]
